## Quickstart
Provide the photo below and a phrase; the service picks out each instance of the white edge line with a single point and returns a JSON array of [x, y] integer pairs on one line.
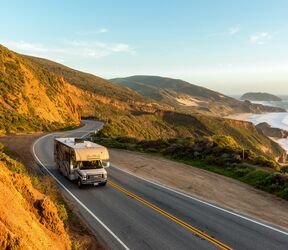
[[73, 196], [201, 201]]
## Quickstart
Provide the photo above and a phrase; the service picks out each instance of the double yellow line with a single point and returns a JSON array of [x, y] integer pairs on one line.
[[173, 218]]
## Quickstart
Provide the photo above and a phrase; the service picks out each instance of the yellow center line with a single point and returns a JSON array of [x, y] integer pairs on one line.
[[172, 217]]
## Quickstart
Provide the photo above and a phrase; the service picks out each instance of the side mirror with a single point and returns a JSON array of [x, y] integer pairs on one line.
[[106, 164]]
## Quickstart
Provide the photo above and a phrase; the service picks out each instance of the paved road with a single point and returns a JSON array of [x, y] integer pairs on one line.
[[132, 213]]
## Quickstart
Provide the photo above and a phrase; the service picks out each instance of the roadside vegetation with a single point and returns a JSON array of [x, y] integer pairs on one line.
[[220, 154], [45, 201], [164, 125]]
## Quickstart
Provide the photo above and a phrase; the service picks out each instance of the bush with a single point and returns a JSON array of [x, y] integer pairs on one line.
[[62, 212], [241, 172], [263, 161], [256, 177], [225, 142], [284, 170]]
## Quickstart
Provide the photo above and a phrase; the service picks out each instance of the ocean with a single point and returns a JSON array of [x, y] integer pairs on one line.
[[277, 120]]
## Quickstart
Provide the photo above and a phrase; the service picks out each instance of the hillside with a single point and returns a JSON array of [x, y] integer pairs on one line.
[[28, 218], [89, 82], [169, 124], [189, 98], [260, 96], [149, 120], [32, 99]]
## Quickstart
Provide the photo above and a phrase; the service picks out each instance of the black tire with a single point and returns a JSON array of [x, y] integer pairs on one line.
[[79, 183], [102, 183]]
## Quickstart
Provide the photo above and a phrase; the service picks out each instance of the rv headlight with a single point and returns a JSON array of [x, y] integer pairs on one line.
[[84, 177], [105, 175]]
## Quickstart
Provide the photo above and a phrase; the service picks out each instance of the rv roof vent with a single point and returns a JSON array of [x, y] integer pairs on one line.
[[78, 140]]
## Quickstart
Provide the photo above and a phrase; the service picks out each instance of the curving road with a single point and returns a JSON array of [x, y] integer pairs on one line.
[[131, 213]]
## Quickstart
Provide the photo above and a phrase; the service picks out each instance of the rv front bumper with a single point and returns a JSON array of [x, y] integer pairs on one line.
[[93, 181]]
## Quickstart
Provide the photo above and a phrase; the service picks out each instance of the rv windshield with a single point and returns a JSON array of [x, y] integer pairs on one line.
[[89, 164]]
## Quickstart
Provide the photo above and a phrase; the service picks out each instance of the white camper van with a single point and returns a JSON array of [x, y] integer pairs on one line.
[[82, 161]]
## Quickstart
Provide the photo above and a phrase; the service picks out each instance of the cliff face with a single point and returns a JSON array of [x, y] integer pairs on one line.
[[31, 97], [28, 219]]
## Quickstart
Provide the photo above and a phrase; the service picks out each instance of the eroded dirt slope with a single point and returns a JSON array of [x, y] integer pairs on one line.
[[28, 219]]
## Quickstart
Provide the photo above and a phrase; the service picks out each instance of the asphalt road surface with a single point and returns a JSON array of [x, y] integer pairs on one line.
[[131, 213]]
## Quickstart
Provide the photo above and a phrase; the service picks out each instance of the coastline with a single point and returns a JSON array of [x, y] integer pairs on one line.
[[240, 116], [276, 120]]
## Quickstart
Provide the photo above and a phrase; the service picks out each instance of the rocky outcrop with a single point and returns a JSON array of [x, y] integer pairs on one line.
[[272, 132], [249, 107]]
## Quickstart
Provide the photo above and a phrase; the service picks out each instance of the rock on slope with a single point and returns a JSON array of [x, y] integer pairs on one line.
[[28, 219], [32, 98]]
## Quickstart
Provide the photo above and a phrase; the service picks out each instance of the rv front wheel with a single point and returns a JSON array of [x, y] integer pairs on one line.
[[79, 183]]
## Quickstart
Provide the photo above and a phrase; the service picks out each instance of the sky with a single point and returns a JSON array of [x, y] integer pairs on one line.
[[226, 45]]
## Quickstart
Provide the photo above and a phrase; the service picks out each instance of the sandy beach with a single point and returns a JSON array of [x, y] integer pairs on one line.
[[240, 116]]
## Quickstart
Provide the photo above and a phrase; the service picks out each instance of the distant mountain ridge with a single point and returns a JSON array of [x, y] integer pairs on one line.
[[260, 96], [189, 98]]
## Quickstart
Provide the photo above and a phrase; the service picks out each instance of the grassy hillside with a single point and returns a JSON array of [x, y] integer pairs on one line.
[[189, 98], [89, 82], [32, 99], [168, 124]]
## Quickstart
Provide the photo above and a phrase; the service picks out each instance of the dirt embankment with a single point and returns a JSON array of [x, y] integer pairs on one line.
[[220, 190], [28, 219], [39, 227]]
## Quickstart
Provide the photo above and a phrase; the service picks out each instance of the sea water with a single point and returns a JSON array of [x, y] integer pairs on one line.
[[277, 120]]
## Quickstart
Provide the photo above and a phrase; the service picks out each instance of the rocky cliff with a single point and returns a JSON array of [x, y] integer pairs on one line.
[[272, 132]]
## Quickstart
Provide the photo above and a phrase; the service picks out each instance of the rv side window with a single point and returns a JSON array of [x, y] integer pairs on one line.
[[67, 154], [73, 160]]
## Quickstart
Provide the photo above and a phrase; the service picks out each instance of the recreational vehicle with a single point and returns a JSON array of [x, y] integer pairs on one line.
[[81, 161]]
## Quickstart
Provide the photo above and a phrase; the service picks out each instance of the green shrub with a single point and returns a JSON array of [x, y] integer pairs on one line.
[[241, 172], [62, 211], [226, 142], [256, 177], [263, 161], [284, 170]]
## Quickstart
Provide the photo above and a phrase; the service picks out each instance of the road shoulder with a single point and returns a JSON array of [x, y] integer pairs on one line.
[[220, 190]]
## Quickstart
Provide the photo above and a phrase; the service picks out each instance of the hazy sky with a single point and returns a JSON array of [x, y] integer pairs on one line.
[[229, 46]]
